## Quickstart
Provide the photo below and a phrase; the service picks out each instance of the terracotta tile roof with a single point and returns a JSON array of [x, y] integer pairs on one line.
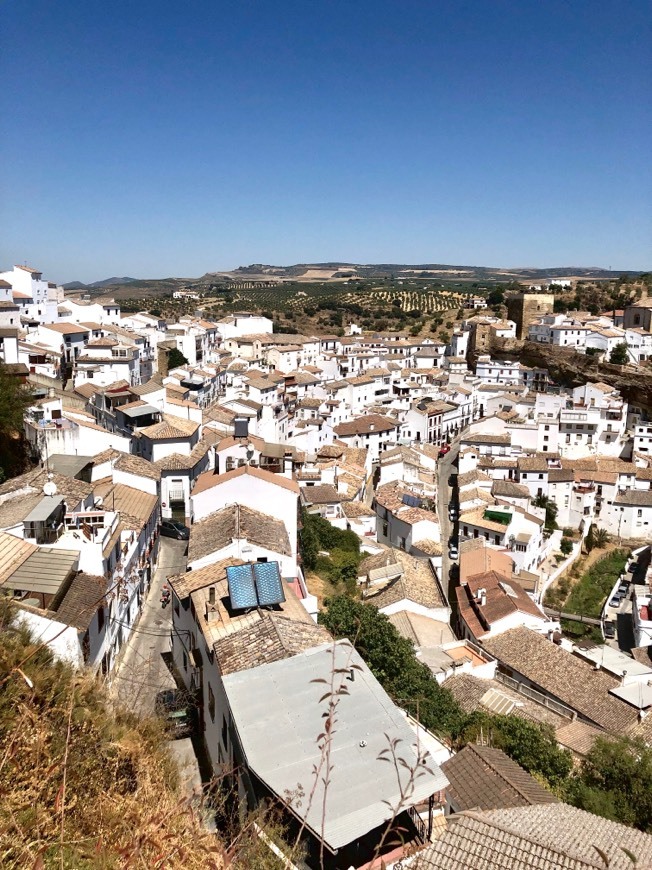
[[66, 328], [483, 777], [134, 506], [322, 493], [365, 425], [479, 438], [170, 428], [578, 736], [563, 676], [137, 465], [82, 600], [271, 638], [470, 692], [72, 490], [218, 530], [152, 386], [509, 489], [208, 480], [87, 390], [416, 583], [429, 547], [469, 478], [356, 509], [503, 598], [576, 832], [635, 497], [174, 462], [486, 841]]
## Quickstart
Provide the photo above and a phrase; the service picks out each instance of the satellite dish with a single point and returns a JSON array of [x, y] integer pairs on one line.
[[50, 488]]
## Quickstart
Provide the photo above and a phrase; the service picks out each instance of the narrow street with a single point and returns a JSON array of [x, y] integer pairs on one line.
[[141, 671], [445, 467]]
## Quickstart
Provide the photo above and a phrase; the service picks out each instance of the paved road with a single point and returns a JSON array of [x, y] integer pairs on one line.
[[141, 671], [445, 468]]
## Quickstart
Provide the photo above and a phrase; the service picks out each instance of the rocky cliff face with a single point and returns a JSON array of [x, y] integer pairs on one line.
[[573, 369]]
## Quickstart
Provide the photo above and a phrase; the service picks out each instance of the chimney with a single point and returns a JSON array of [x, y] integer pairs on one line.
[[623, 678], [211, 595], [481, 597]]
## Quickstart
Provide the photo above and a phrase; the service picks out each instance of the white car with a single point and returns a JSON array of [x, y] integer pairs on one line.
[[453, 552]]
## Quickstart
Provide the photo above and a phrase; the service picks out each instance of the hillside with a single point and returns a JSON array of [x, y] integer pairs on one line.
[[335, 270], [83, 786], [98, 285]]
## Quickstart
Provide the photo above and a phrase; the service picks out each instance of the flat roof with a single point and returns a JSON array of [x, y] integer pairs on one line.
[[69, 466], [278, 716], [44, 571], [44, 509], [140, 411]]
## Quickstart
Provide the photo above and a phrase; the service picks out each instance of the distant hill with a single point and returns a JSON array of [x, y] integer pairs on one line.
[[335, 270], [140, 288], [98, 285]]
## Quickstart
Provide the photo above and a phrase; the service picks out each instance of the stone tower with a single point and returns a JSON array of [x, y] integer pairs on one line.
[[523, 308]]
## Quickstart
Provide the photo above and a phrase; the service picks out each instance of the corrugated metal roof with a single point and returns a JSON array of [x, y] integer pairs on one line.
[[278, 716], [44, 509], [44, 571], [13, 552]]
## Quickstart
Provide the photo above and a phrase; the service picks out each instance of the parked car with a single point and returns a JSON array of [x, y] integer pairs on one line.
[[609, 629], [173, 529], [453, 551], [452, 480], [443, 450], [615, 601], [175, 709]]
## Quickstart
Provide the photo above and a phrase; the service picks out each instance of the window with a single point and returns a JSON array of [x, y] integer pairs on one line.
[[225, 733], [185, 661], [211, 703], [100, 619]]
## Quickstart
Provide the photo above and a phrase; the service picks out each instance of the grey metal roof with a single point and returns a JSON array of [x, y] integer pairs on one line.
[[44, 571], [69, 466], [637, 694], [44, 509], [278, 716], [139, 411]]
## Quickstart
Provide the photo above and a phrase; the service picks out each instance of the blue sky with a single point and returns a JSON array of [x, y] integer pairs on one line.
[[154, 138]]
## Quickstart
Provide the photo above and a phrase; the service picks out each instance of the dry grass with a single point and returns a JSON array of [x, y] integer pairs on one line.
[[83, 786]]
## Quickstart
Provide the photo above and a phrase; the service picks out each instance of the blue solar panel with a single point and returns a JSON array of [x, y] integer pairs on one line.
[[268, 583], [242, 588], [410, 500]]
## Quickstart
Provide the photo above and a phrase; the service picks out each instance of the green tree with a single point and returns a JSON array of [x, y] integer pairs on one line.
[[542, 501], [496, 297], [619, 354], [566, 546], [532, 745], [614, 780], [15, 399], [600, 538], [176, 359], [393, 662], [309, 543]]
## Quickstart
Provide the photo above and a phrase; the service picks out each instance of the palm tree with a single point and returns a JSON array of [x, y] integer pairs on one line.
[[600, 538]]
